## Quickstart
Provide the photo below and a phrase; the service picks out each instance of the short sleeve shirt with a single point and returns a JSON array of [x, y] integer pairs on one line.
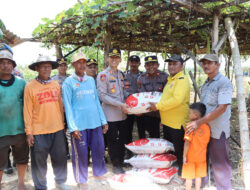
[[198, 144], [213, 93]]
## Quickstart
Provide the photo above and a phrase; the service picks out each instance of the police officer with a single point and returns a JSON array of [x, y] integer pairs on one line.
[[110, 84], [150, 81], [130, 87], [92, 68], [62, 72]]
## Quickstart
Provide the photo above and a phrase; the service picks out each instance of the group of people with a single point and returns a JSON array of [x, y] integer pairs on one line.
[[34, 115]]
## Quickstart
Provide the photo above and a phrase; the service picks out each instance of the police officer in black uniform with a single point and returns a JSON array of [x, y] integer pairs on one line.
[[130, 87], [150, 81]]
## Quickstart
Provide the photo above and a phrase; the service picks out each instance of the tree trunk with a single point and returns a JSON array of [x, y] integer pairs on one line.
[[244, 132], [59, 54]]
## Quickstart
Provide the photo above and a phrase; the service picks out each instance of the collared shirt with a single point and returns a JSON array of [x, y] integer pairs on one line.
[[60, 78], [130, 83], [174, 103], [148, 84], [213, 93], [110, 91]]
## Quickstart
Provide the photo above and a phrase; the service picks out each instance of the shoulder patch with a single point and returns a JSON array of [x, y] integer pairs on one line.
[[181, 78], [102, 77]]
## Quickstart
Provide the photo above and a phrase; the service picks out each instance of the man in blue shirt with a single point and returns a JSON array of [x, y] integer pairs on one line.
[[85, 119]]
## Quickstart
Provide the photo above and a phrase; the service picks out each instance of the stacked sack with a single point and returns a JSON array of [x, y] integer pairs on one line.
[[152, 160]]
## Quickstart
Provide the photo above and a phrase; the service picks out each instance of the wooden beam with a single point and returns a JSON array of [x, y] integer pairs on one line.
[[245, 26], [190, 5]]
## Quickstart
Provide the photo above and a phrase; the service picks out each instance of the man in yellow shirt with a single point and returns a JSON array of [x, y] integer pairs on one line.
[[174, 106]]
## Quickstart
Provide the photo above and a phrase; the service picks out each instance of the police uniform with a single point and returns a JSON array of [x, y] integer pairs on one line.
[[60, 78], [131, 87], [90, 62], [110, 90], [151, 121]]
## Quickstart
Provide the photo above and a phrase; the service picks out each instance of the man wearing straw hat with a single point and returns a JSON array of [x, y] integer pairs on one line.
[[43, 116]]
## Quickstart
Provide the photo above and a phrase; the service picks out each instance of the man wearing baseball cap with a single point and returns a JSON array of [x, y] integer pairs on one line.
[[86, 122], [12, 132], [92, 68], [216, 94], [44, 124], [174, 107], [153, 80], [110, 90]]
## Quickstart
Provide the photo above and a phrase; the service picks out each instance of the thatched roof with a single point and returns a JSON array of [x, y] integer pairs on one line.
[[144, 25]]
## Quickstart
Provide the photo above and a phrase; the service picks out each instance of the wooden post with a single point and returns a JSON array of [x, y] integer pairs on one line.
[[195, 74], [127, 60], [244, 132], [107, 43], [194, 84], [215, 31], [59, 54]]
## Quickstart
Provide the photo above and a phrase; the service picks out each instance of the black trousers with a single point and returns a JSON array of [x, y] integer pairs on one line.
[[176, 136], [130, 125], [150, 124], [116, 138]]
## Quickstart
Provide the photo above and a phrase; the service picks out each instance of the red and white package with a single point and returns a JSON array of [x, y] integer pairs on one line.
[[139, 102], [150, 146], [152, 160], [132, 182], [160, 176]]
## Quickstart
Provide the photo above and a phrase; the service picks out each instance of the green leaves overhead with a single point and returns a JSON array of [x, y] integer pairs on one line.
[[143, 22]]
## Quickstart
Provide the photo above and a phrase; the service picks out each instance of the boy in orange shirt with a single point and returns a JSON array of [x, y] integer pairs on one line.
[[195, 149]]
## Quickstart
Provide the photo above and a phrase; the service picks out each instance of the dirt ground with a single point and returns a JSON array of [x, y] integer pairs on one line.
[[10, 181]]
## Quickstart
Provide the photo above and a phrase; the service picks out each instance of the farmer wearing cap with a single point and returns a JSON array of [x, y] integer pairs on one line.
[[216, 94], [86, 122], [43, 117], [174, 107], [60, 78], [110, 90], [92, 68], [153, 80], [12, 132], [130, 87]]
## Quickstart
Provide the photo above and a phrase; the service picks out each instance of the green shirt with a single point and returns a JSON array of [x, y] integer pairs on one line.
[[11, 108]]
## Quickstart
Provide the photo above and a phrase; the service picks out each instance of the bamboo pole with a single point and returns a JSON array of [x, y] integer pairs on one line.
[[244, 132]]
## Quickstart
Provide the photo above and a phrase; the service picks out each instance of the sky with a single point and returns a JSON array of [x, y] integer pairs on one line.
[[22, 16]]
